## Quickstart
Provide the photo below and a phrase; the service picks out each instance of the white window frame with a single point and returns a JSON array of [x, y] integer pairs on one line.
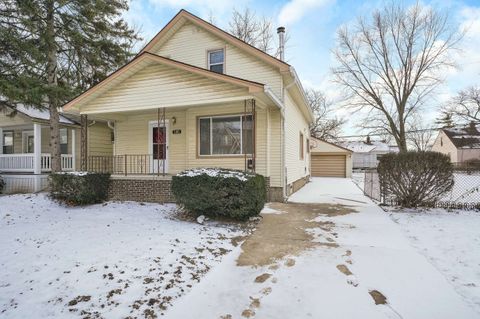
[[25, 135], [210, 64], [211, 135]]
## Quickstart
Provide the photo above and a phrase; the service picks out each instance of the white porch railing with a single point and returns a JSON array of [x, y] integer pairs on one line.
[[25, 162]]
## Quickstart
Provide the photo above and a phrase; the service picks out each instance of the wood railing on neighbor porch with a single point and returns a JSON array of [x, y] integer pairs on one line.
[[138, 164], [25, 162]]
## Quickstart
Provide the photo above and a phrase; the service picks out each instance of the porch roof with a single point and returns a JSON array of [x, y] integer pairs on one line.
[[35, 114], [151, 81]]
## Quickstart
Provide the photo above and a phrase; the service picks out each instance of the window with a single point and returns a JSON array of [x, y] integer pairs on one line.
[[28, 140], [159, 139], [308, 145], [7, 142], [301, 146], [216, 61], [225, 135], [63, 141]]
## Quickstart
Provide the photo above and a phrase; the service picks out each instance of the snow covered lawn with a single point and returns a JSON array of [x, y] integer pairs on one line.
[[451, 242], [328, 253], [117, 260]]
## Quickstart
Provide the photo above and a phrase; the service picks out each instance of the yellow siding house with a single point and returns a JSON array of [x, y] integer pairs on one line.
[[197, 96]]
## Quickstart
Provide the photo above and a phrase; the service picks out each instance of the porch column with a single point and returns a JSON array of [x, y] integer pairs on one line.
[[83, 143], [74, 150], [37, 148], [37, 156], [1, 140]]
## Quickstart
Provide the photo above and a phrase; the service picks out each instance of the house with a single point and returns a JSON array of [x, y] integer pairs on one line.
[[196, 96], [329, 159], [367, 153], [25, 159], [461, 144]]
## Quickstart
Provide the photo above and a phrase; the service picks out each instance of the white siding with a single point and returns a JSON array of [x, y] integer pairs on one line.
[[295, 123], [158, 85]]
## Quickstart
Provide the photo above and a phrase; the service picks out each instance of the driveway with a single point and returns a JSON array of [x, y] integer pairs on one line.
[[328, 253]]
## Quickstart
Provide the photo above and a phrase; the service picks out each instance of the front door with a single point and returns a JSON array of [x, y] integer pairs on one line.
[[158, 147]]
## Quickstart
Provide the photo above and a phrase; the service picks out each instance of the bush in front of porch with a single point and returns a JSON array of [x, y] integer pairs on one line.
[[220, 193], [79, 188], [2, 184]]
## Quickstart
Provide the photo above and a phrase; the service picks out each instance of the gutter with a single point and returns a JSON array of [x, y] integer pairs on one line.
[[277, 101], [296, 80]]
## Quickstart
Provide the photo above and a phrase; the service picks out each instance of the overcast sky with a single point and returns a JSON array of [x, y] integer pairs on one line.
[[312, 26]]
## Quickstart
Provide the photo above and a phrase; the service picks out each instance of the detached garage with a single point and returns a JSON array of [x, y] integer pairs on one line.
[[330, 160]]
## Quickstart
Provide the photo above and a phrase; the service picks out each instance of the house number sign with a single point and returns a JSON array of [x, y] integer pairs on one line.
[[177, 131]]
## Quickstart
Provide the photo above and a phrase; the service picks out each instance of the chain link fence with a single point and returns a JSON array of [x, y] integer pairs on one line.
[[465, 193]]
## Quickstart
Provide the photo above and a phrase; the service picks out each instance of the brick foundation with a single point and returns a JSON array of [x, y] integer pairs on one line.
[[141, 190], [159, 190]]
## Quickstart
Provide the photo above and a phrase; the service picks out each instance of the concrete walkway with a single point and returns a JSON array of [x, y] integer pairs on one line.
[[329, 253]]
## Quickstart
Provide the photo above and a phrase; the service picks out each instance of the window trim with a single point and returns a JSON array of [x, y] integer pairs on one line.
[[3, 141], [208, 59], [240, 155], [25, 135], [63, 129], [302, 148]]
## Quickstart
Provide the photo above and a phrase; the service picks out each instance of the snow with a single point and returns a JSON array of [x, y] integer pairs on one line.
[[373, 146], [359, 179], [112, 259], [40, 114], [450, 240], [373, 247], [215, 172], [466, 188], [75, 173], [425, 264]]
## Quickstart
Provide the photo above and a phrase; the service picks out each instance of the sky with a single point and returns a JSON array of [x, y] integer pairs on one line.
[[312, 26]]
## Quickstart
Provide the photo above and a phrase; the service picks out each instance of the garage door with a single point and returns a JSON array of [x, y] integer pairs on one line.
[[328, 165]]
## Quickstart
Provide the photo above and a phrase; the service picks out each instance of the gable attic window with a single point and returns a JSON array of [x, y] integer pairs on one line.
[[216, 61]]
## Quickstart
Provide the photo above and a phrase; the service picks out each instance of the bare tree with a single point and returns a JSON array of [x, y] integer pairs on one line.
[[325, 126], [256, 31], [420, 136], [390, 65], [465, 106]]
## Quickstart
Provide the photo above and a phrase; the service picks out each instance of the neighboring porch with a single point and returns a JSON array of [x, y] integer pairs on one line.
[[25, 149]]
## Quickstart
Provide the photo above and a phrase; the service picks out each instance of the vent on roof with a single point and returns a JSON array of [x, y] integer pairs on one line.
[[281, 43]]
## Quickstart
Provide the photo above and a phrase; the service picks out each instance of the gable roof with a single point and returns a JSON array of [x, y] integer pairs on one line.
[[183, 16], [317, 140], [122, 73], [464, 137]]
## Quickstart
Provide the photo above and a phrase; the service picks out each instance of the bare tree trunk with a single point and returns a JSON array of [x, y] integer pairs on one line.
[[52, 83]]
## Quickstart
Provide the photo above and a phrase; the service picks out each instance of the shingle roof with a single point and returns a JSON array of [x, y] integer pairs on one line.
[[364, 147], [464, 137]]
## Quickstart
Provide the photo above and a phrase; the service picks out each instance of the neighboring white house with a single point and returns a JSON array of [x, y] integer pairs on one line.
[[329, 159], [367, 153], [461, 144], [25, 160]]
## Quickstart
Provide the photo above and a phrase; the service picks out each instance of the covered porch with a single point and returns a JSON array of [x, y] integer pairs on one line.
[[162, 142], [24, 149]]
